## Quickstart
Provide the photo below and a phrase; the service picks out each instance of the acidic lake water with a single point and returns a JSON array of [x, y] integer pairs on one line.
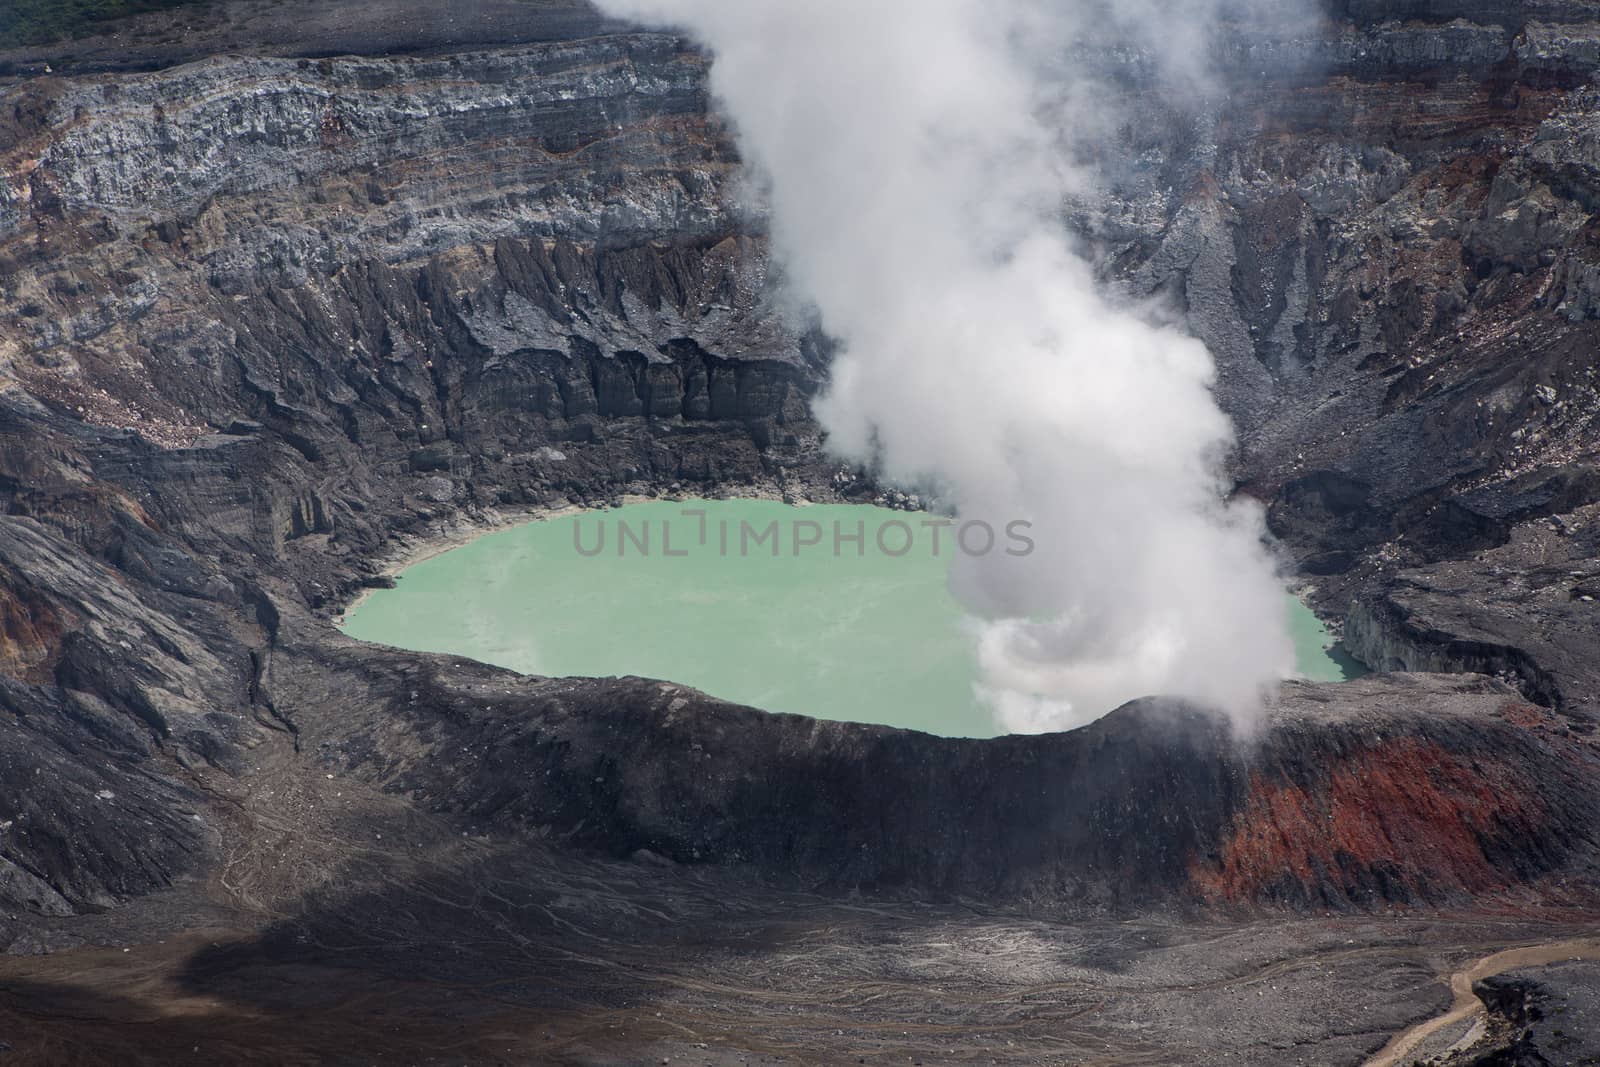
[[862, 636]]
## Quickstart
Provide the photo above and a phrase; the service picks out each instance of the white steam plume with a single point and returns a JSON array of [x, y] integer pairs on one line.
[[916, 190]]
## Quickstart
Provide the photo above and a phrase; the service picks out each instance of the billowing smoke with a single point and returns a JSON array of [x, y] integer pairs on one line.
[[916, 154]]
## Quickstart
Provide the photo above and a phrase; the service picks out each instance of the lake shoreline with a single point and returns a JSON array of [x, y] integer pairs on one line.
[[406, 551], [550, 614]]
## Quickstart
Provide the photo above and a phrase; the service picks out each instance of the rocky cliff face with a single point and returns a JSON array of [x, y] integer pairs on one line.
[[284, 286], [1391, 257], [265, 314]]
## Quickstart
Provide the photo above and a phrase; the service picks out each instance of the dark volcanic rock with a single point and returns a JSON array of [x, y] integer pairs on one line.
[[1537, 1016], [1416, 790], [287, 287], [269, 314]]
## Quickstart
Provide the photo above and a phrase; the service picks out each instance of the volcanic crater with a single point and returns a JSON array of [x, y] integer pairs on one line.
[[291, 291]]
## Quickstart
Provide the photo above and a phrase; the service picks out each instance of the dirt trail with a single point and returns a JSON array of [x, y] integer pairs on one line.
[[1466, 1003]]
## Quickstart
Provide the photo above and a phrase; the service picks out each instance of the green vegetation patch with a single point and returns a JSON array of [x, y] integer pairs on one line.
[[25, 22]]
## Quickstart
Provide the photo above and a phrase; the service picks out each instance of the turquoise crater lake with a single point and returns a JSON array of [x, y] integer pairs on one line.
[[860, 636]]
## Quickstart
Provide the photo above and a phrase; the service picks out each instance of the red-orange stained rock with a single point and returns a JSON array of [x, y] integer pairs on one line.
[[1527, 716], [1409, 806], [30, 635]]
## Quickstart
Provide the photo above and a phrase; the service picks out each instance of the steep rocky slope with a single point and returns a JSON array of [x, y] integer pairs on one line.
[[269, 309], [1393, 263]]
